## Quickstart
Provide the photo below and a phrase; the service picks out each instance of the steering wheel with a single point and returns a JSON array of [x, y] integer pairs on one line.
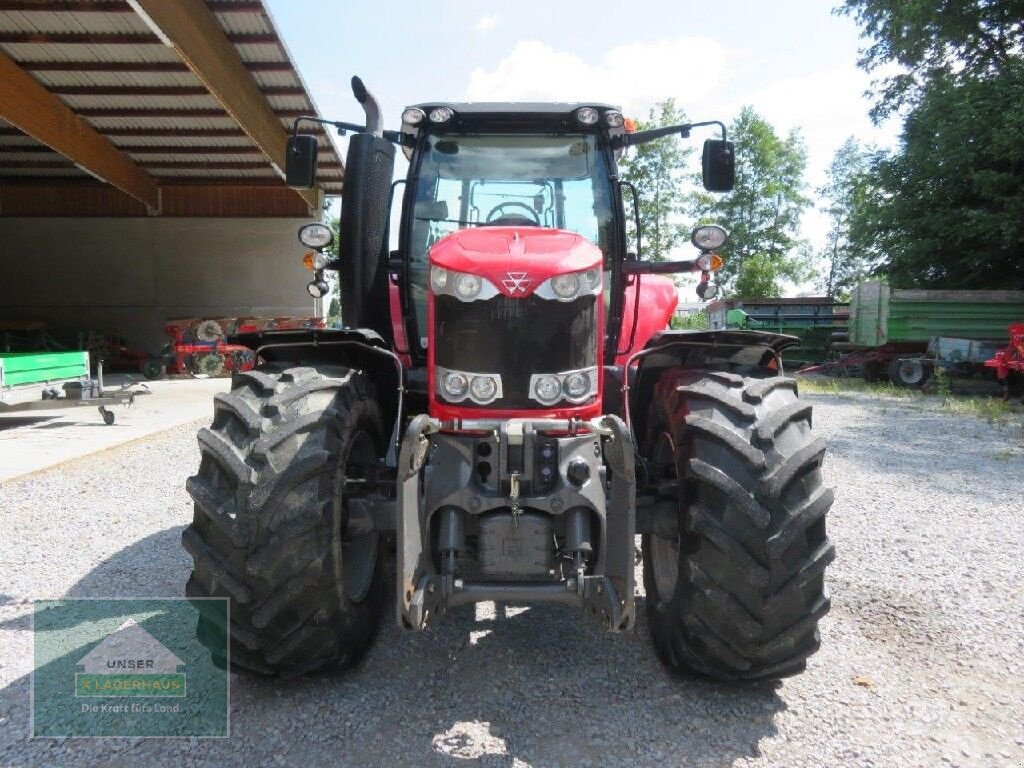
[[512, 219]]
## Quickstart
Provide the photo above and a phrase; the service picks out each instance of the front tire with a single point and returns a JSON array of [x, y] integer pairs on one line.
[[736, 591], [269, 530]]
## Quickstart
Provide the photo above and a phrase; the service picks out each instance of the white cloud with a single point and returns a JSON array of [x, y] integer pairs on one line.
[[634, 75], [487, 23]]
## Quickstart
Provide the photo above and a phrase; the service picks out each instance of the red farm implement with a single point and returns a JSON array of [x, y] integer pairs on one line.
[[200, 346], [1009, 363]]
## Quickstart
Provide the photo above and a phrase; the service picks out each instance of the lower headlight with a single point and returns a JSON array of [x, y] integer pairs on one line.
[[547, 389], [455, 384], [577, 384], [483, 389]]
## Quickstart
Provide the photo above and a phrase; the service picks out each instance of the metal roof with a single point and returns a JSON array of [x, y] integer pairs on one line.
[[103, 61]]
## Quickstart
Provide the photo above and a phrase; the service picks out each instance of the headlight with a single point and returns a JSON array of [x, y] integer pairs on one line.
[[547, 389], [463, 286], [574, 386], [565, 286], [456, 386], [577, 384], [586, 115], [614, 118], [440, 115], [316, 235], [317, 289], [571, 285], [467, 287], [483, 389], [412, 116], [709, 237]]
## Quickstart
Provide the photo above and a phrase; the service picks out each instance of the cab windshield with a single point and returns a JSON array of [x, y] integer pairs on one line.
[[557, 181]]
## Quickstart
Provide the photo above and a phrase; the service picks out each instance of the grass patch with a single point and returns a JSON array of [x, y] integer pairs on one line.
[[991, 409]]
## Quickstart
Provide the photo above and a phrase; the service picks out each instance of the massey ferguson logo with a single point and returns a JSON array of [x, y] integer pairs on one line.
[[516, 281]]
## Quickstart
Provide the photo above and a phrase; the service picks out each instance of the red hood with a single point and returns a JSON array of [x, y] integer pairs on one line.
[[515, 256]]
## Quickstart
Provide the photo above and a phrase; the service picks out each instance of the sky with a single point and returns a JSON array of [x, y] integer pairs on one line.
[[792, 60]]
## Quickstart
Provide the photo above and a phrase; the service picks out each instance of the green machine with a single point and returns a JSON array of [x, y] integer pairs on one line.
[[29, 381]]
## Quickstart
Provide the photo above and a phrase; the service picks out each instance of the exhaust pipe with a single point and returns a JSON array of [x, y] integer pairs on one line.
[[374, 120]]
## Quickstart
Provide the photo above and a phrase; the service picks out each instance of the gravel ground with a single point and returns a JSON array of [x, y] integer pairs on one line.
[[922, 661]]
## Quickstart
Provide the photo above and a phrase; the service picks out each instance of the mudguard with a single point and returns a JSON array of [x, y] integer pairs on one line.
[[709, 350]]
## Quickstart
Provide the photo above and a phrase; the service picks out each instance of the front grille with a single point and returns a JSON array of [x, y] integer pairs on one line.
[[515, 338]]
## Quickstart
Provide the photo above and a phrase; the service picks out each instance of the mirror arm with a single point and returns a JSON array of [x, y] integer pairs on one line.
[[659, 267], [395, 137], [623, 140]]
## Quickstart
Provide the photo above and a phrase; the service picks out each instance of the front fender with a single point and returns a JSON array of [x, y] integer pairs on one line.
[[723, 350]]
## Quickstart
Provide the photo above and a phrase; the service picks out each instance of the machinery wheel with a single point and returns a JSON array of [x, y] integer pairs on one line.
[[735, 589], [912, 373], [872, 372], [211, 364], [287, 450], [154, 368], [208, 331]]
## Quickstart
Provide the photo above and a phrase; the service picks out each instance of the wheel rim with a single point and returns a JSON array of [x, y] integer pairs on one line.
[[665, 552], [911, 371], [358, 554]]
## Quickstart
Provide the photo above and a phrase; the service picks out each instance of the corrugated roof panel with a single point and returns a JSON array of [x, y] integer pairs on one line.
[[174, 132], [184, 103], [172, 140], [258, 172], [244, 23], [70, 170], [117, 79], [71, 21], [45, 52], [168, 123]]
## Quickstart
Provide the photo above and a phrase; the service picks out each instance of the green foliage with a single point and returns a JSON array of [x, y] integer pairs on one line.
[[844, 194], [947, 209], [656, 170], [698, 321], [762, 213], [759, 278], [929, 38]]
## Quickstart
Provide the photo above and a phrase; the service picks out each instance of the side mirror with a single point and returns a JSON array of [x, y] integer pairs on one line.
[[300, 162], [719, 165]]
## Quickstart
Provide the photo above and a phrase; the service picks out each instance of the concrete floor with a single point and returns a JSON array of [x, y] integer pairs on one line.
[[35, 440]]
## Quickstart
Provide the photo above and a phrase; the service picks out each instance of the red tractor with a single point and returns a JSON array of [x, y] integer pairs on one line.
[[505, 404]]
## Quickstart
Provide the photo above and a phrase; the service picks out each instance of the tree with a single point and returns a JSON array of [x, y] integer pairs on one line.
[[844, 193], [656, 169], [946, 210], [762, 213], [924, 39]]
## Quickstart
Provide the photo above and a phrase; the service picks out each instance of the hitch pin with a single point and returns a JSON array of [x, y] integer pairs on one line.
[[513, 498]]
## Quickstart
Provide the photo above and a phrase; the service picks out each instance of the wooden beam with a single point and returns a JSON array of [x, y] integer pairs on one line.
[[139, 66], [196, 35], [125, 38], [28, 106], [160, 90], [113, 6], [180, 112]]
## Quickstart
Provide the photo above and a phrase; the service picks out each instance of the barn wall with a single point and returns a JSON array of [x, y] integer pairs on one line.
[[129, 275]]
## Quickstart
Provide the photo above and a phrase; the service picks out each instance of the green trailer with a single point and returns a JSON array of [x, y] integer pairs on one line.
[[880, 315], [906, 335], [31, 381], [813, 319]]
